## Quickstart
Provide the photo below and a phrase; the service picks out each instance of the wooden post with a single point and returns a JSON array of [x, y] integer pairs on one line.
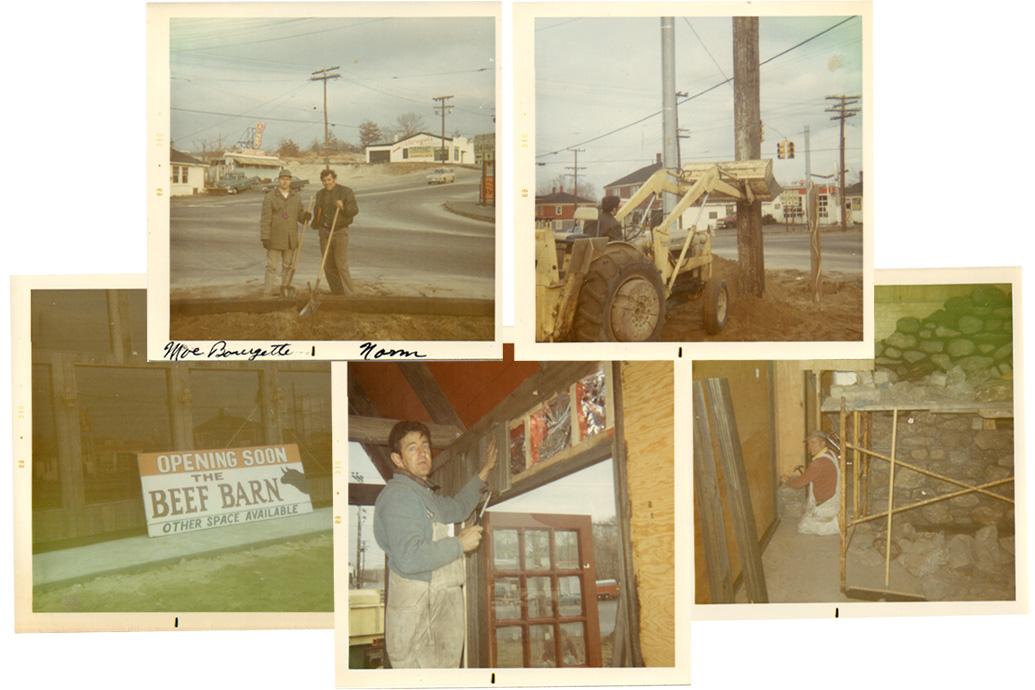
[[709, 505], [747, 121], [843, 516], [855, 465], [737, 486], [891, 499]]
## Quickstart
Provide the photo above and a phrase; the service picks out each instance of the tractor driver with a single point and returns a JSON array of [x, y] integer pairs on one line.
[[424, 613], [607, 226], [822, 477]]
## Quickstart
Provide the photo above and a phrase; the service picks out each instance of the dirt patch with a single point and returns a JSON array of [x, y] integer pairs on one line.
[[328, 325], [785, 312], [295, 575]]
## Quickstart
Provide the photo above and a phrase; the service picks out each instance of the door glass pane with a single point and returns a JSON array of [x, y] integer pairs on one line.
[[46, 484], [507, 598], [541, 645], [505, 549], [137, 321], [569, 597], [540, 604], [573, 644], [508, 647], [567, 549], [226, 409], [537, 549], [122, 412]]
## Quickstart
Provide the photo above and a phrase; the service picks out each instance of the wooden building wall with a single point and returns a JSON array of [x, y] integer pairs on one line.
[[648, 397], [750, 384]]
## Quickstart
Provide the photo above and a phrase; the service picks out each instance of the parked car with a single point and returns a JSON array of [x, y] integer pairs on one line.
[[233, 183], [728, 222], [440, 176], [296, 184]]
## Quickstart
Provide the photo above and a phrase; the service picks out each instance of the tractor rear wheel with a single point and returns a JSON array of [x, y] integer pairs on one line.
[[716, 305], [622, 298]]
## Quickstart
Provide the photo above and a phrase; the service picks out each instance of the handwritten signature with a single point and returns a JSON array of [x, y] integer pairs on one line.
[[175, 351]]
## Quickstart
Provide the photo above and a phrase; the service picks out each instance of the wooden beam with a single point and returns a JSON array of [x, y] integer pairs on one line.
[[360, 403], [551, 378], [363, 494], [737, 486], [375, 431], [709, 505], [430, 394]]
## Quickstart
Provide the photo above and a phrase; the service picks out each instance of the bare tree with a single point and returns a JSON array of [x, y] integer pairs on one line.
[[409, 124], [288, 148]]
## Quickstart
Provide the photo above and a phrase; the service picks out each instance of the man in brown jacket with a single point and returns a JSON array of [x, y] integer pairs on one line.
[[282, 211], [335, 203]]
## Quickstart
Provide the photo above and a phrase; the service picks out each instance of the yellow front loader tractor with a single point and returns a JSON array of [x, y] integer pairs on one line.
[[590, 290]]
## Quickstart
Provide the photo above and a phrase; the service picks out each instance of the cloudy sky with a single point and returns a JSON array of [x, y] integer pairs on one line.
[[598, 88], [230, 73]]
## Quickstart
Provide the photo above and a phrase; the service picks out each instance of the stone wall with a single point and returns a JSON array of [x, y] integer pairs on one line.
[[969, 338]]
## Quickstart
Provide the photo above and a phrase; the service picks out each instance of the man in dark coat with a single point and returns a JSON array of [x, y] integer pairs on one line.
[[282, 211], [607, 226], [335, 198]]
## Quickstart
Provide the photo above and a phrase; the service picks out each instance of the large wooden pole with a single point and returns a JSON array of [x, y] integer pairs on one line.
[[747, 120]]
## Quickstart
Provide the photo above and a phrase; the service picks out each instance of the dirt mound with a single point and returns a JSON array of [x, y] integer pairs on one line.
[[785, 312], [328, 325]]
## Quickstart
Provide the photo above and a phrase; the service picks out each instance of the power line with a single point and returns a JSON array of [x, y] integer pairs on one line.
[[699, 93]]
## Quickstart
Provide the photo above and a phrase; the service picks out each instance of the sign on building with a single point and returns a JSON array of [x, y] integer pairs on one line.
[[186, 491]]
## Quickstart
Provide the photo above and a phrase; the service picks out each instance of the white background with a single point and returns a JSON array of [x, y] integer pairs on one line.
[[950, 186]]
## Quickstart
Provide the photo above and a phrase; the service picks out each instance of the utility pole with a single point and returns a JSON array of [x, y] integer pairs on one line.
[[443, 109], [357, 578], [575, 191], [747, 122], [669, 116], [843, 111], [324, 76]]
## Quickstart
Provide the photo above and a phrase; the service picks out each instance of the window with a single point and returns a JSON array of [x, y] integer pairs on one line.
[[305, 417], [558, 210], [122, 411], [46, 482], [71, 320], [824, 200], [226, 408]]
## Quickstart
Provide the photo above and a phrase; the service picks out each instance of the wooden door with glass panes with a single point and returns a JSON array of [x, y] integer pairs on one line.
[[541, 590]]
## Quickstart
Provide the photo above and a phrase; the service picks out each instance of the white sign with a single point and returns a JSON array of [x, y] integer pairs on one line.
[[186, 491]]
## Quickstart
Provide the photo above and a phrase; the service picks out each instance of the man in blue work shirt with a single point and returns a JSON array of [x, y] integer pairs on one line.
[[424, 623]]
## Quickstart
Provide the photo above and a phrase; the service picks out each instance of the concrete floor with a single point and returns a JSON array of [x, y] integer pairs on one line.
[[805, 568]]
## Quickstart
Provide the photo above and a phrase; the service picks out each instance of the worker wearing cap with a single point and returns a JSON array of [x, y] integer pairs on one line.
[[282, 211], [424, 620], [823, 478]]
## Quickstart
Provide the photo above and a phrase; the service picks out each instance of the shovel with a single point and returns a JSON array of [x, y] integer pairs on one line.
[[314, 295], [286, 290]]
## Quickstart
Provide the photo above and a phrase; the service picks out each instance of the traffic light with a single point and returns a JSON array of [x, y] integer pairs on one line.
[[763, 129], [781, 149], [790, 149]]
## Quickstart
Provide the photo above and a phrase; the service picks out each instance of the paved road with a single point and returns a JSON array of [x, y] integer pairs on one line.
[[403, 240], [842, 251]]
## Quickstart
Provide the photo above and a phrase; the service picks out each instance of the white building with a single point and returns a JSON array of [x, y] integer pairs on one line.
[[423, 148], [187, 174]]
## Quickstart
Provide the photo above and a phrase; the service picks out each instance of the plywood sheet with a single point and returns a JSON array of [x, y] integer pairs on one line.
[[648, 396]]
